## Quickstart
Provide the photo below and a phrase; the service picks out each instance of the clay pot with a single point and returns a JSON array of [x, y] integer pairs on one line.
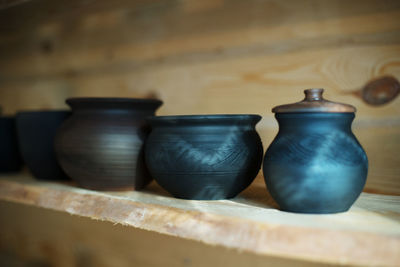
[[101, 145], [204, 156], [10, 160], [36, 132], [315, 164]]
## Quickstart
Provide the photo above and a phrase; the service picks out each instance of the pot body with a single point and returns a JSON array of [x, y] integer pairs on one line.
[[204, 157], [10, 160], [101, 145], [36, 132], [315, 164]]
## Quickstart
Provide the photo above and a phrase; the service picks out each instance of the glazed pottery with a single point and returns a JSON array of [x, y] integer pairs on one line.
[[315, 164], [36, 131], [10, 160], [204, 157], [101, 145]]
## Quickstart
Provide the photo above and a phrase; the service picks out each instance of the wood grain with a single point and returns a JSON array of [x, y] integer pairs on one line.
[[82, 242], [210, 57], [369, 234], [8, 3]]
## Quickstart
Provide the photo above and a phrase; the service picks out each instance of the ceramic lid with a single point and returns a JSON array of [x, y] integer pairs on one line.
[[314, 102]]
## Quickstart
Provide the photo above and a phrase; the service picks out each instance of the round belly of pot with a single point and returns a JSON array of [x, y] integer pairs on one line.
[[315, 169], [101, 145], [204, 157]]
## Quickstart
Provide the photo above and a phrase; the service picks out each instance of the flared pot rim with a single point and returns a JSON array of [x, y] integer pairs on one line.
[[73, 100], [42, 111], [113, 102], [205, 119]]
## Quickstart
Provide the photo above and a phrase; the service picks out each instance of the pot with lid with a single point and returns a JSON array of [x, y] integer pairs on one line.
[[315, 163]]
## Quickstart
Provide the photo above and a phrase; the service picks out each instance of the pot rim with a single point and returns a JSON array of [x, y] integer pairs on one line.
[[205, 118], [112, 99], [113, 102], [41, 111]]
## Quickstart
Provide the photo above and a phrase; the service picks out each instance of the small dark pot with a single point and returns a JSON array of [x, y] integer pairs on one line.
[[36, 132], [101, 145], [315, 164], [204, 157], [10, 160]]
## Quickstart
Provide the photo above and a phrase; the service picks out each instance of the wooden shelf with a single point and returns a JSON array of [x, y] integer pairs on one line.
[[368, 234]]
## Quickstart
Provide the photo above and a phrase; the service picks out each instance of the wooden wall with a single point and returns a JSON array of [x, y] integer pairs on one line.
[[210, 56]]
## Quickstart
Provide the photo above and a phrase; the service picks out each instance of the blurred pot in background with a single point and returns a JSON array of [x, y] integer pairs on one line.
[[10, 160], [36, 132]]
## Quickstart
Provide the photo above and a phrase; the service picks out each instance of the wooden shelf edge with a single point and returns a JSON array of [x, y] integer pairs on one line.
[[288, 241]]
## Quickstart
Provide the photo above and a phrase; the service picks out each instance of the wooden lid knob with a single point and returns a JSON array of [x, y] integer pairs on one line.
[[313, 94], [314, 102]]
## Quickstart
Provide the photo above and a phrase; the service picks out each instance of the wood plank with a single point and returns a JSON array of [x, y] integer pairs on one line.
[[381, 146], [9, 3], [217, 87], [79, 241], [156, 35], [368, 234]]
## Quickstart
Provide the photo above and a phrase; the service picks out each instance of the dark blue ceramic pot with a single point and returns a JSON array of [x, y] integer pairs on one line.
[[315, 164], [36, 132], [10, 160], [204, 157]]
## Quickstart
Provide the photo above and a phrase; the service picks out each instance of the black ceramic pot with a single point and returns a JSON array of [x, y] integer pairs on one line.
[[205, 156], [10, 160], [36, 132], [101, 145], [315, 164]]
